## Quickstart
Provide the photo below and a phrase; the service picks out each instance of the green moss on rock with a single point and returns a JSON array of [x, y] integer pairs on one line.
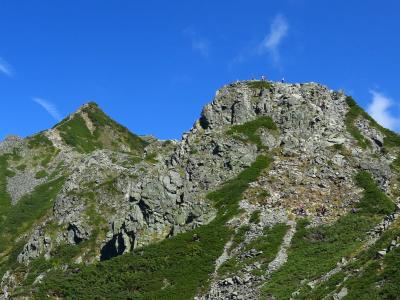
[[249, 130]]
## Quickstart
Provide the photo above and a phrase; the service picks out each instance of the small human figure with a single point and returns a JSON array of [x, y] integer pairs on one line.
[[321, 211], [283, 80], [262, 78], [5, 292], [300, 210]]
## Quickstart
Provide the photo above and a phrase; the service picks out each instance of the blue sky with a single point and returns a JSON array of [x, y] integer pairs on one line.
[[152, 65]]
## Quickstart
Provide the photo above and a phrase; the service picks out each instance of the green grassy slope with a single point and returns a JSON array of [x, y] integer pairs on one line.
[[5, 199], [175, 268], [315, 251], [391, 138], [368, 276], [106, 133], [20, 218], [269, 244]]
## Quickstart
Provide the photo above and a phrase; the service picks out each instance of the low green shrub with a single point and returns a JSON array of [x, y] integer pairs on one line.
[[367, 276], [396, 163], [239, 236], [106, 132], [28, 210], [391, 139], [39, 141], [255, 217], [5, 198], [268, 245], [101, 120], [249, 129], [41, 174], [151, 158], [175, 268], [76, 134], [259, 84], [351, 116], [21, 167], [316, 250]]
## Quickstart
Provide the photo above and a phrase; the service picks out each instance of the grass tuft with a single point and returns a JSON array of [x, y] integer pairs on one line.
[[255, 217], [249, 130], [352, 115], [259, 84], [41, 174]]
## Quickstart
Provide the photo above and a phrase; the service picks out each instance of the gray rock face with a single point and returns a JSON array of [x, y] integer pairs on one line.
[[307, 114], [77, 233], [343, 293], [9, 143], [22, 184], [38, 244]]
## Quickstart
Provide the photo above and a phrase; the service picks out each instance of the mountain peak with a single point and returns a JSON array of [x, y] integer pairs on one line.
[[89, 105], [89, 128]]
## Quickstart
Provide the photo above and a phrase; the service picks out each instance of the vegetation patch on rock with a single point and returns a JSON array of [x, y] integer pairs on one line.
[[259, 84], [249, 130], [310, 258], [104, 132], [5, 199], [28, 210], [391, 139]]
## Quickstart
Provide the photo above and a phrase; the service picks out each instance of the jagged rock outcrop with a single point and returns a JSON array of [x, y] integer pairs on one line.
[[38, 244], [9, 143]]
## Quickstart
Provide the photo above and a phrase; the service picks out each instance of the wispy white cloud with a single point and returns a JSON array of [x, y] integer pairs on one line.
[[381, 109], [271, 43], [49, 107], [5, 68], [199, 44]]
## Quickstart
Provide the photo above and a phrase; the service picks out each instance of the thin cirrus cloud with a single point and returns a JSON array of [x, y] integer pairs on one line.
[[200, 45], [381, 109], [271, 43], [5, 68], [49, 107]]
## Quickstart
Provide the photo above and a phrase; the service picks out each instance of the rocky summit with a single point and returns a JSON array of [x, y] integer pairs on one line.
[[279, 191]]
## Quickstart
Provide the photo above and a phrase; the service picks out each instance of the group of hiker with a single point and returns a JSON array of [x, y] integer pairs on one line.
[[264, 78]]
